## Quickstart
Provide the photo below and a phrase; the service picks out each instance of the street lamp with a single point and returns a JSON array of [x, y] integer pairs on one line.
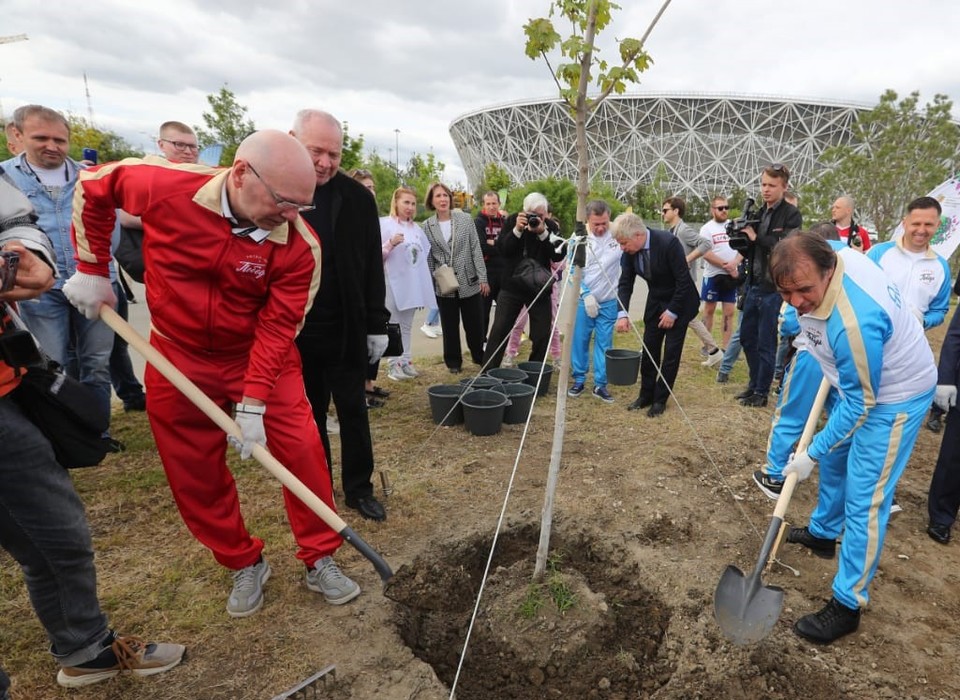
[[397, 132]]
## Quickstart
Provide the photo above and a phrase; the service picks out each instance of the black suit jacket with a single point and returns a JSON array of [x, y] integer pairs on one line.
[[359, 265], [671, 287]]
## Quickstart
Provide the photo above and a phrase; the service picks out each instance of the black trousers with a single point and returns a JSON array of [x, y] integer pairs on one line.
[[509, 306], [470, 310], [662, 346], [326, 376], [944, 498]]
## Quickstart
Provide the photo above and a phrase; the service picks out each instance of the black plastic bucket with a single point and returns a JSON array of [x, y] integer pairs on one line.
[[623, 366], [507, 375], [483, 411], [477, 383], [533, 372], [521, 398], [444, 404]]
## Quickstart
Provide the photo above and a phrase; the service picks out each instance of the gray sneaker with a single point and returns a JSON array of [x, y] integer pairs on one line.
[[325, 577], [247, 594], [408, 369]]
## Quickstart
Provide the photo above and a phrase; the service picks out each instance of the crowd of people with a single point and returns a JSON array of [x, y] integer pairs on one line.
[[292, 305]]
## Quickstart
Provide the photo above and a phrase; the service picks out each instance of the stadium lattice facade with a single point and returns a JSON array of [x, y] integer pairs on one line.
[[703, 143]]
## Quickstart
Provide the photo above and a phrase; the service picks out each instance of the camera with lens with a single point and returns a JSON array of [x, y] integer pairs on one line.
[[9, 261], [739, 240], [533, 220]]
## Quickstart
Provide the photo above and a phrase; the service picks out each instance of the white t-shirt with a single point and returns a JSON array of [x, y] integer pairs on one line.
[[716, 233]]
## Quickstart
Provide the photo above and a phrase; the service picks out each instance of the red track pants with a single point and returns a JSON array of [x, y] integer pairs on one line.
[[193, 451]]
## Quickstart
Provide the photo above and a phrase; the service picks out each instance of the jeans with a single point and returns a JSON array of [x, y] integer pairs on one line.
[[732, 353], [758, 336], [44, 527], [125, 382], [55, 323], [433, 317]]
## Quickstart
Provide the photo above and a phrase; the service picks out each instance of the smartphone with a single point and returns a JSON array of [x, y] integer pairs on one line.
[[90, 154], [9, 261]]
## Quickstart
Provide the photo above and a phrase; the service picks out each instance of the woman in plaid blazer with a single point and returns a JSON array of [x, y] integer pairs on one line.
[[453, 242]]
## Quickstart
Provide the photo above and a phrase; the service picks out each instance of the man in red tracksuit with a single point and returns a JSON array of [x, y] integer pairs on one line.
[[230, 271]]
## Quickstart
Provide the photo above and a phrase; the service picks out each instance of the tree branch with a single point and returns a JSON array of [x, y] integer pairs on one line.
[[553, 73]]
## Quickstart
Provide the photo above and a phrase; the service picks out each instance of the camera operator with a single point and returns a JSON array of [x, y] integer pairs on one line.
[[527, 234], [42, 522], [758, 328]]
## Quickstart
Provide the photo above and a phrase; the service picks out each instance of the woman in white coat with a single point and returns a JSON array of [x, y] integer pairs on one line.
[[409, 284]]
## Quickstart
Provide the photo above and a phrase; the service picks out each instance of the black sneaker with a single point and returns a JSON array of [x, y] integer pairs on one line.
[[770, 486], [746, 393], [124, 653], [821, 546], [723, 377], [934, 424], [754, 401], [828, 625]]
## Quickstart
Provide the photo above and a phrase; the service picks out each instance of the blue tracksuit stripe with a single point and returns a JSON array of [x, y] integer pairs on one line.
[[801, 382]]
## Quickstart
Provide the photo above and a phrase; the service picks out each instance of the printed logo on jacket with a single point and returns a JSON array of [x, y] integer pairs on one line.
[[254, 266]]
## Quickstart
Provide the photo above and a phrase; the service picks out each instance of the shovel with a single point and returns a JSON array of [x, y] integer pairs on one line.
[[260, 453], [745, 609]]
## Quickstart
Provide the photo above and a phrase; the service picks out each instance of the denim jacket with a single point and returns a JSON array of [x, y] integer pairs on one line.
[[54, 216]]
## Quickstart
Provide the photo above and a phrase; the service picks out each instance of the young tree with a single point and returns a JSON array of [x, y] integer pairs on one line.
[[352, 150], [226, 124], [422, 171], [587, 18], [495, 178], [896, 153]]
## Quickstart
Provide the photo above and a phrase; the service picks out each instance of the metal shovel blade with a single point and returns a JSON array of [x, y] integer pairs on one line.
[[745, 610]]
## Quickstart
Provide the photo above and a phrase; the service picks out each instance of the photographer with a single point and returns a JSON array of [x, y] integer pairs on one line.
[[528, 234], [42, 522], [758, 327]]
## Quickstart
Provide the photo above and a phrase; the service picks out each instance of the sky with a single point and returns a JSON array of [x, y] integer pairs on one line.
[[415, 66]]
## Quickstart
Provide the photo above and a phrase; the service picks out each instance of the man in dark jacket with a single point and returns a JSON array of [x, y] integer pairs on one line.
[[346, 329], [761, 307], [528, 234], [672, 302], [490, 222]]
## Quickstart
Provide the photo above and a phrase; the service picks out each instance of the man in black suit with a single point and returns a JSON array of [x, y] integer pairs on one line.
[[672, 302], [346, 329]]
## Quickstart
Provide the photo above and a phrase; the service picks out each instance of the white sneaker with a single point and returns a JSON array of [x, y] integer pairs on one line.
[[714, 358], [429, 331], [408, 369], [326, 578], [396, 373], [247, 594]]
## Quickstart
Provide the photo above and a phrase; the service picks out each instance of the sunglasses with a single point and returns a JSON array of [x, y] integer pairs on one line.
[[666, 209], [724, 208]]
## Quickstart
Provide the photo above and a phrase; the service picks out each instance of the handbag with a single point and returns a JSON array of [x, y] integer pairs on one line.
[[67, 414], [446, 279], [531, 276], [394, 341]]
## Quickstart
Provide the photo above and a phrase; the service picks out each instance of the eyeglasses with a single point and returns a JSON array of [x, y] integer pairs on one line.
[[181, 146], [723, 208], [281, 203], [666, 209]]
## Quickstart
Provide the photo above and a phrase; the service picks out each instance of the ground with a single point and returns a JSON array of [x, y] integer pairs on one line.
[[648, 514]]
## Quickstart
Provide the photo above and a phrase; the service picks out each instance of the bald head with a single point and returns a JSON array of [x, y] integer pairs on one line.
[[272, 172], [842, 211], [281, 161]]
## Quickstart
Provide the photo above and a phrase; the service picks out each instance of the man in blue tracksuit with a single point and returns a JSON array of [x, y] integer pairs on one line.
[[873, 352], [597, 308], [798, 390]]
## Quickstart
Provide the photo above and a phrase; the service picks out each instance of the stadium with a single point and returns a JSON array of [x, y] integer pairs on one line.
[[702, 143]]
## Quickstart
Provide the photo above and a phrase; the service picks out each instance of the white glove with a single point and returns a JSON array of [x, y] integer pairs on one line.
[[591, 306], [250, 420], [376, 345], [558, 242], [88, 292], [801, 463], [945, 396]]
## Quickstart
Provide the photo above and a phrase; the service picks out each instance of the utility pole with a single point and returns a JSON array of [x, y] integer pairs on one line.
[[397, 132], [86, 87]]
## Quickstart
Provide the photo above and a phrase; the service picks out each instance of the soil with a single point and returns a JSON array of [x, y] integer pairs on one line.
[[648, 514]]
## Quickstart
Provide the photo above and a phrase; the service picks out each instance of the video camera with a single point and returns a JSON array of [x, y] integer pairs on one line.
[[739, 240]]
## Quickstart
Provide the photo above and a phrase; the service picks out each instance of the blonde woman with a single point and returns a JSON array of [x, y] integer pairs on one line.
[[453, 242], [408, 282]]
